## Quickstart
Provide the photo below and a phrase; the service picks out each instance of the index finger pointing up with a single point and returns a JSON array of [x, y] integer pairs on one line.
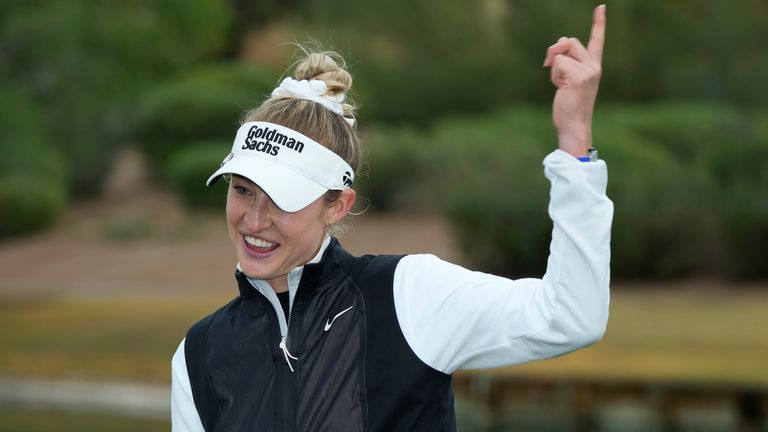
[[597, 35]]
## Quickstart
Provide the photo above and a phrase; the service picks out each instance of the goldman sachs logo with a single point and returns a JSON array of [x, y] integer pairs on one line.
[[270, 141]]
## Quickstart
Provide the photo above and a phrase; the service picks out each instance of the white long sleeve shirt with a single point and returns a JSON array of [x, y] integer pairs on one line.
[[454, 318]]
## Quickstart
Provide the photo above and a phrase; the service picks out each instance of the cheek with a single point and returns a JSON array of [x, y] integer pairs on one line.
[[309, 226], [233, 214]]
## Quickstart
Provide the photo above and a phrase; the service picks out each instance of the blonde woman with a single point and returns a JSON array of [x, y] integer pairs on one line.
[[320, 340]]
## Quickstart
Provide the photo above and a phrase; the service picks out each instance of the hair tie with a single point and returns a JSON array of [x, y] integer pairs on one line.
[[315, 91]]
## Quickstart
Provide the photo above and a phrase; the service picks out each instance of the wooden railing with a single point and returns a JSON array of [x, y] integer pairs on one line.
[[601, 404]]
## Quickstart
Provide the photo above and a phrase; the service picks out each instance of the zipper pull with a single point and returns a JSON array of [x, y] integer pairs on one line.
[[287, 354]]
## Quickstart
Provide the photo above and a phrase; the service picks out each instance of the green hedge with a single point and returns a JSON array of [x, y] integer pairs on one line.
[[189, 168], [688, 181], [393, 174], [205, 104], [28, 204], [711, 214], [83, 65], [32, 172], [496, 195], [414, 69], [743, 202]]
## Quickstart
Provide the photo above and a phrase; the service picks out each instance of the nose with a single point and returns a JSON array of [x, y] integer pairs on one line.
[[259, 215]]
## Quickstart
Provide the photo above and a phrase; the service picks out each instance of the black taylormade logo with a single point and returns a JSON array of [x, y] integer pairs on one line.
[[347, 179], [269, 141]]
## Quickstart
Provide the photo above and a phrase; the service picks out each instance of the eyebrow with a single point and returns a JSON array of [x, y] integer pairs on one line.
[[247, 180]]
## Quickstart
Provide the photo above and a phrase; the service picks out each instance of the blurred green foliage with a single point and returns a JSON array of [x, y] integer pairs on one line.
[[687, 180], [80, 65], [28, 204], [32, 192], [202, 104], [189, 168], [417, 61], [186, 125], [394, 172], [496, 194], [706, 199], [79, 79]]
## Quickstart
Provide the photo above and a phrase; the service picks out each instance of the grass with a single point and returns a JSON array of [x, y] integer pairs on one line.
[[96, 339], [20, 420], [680, 335], [719, 336]]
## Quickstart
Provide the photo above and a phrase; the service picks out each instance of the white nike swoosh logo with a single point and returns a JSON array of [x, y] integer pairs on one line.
[[328, 324]]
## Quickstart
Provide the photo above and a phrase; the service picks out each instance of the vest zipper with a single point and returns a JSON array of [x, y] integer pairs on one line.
[[284, 341], [289, 385]]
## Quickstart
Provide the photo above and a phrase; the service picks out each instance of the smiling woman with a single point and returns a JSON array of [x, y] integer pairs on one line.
[[320, 340], [270, 242]]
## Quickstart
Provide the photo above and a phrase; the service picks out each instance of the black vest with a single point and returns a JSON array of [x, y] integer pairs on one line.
[[359, 375]]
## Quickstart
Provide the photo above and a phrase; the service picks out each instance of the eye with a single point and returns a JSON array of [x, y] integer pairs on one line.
[[241, 190]]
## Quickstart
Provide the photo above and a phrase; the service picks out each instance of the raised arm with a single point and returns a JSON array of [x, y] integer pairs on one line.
[[575, 71], [455, 318]]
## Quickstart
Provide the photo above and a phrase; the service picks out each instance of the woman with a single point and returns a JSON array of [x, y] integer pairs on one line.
[[319, 340]]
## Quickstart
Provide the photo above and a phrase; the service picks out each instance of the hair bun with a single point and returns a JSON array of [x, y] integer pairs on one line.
[[325, 66]]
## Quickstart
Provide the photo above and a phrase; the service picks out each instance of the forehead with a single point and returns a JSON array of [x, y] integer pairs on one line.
[[243, 180], [246, 182]]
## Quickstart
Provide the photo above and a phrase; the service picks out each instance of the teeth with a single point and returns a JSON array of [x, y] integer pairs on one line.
[[258, 242]]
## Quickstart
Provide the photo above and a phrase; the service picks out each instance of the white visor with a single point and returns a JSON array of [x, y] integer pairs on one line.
[[290, 167]]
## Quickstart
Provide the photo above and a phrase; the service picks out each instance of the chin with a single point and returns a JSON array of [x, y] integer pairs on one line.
[[255, 271]]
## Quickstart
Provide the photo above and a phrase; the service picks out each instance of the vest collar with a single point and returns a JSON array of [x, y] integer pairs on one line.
[[322, 266]]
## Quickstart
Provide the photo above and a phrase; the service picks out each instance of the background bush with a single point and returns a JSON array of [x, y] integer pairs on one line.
[[32, 174], [687, 181], [189, 168], [28, 204], [394, 174], [496, 195], [743, 203], [82, 64], [719, 156], [415, 63], [202, 105], [78, 80]]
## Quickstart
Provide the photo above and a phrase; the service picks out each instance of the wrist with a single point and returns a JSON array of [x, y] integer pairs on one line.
[[590, 157], [575, 143]]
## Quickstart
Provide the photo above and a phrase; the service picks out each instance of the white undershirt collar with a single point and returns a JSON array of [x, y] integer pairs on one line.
[[294, 277]]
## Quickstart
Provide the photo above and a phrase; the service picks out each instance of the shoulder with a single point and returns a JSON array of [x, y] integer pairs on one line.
[[200, 329], [369, 264], [365, 266], [428, 266], [405, 270]]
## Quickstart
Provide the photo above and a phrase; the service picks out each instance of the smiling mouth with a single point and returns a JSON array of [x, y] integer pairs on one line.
[[259, 246]]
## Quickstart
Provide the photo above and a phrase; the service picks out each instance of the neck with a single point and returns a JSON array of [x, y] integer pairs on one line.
[[279, 284]]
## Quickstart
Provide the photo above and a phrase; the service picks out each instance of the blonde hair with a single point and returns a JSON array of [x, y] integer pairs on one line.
[[312, 119]]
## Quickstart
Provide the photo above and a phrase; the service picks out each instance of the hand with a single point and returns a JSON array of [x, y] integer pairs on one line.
[[575, 71]]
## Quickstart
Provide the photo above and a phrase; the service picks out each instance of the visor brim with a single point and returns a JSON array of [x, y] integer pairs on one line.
[[290, 191]]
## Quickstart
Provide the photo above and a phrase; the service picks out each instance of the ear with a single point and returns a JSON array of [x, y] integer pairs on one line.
[[339, 208]]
